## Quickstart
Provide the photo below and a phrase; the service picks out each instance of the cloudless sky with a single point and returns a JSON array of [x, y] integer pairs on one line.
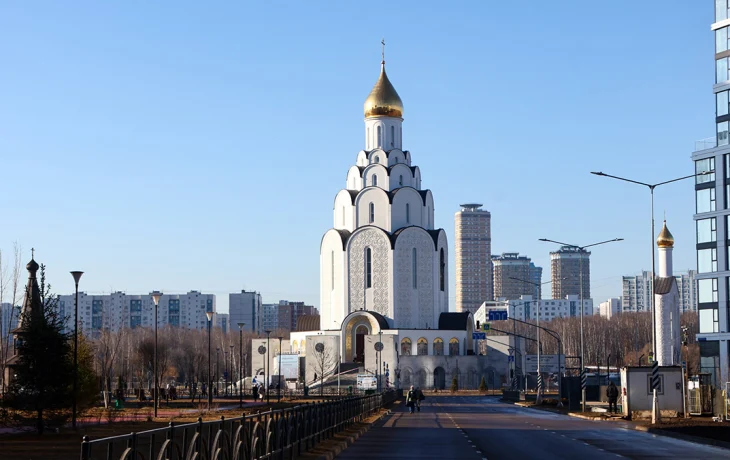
[[200, 145]]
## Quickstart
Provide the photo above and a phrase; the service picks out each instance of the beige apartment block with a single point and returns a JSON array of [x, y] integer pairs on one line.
[[473, 256]]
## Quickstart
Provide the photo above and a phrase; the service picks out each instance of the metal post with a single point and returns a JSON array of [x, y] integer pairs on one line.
[[231, 370], [77, 277], [538, 398], [210, 380], [278, 379], [268, 366], [241, 378], [217, 369], [655, 400], [582, 360], [157, 384]]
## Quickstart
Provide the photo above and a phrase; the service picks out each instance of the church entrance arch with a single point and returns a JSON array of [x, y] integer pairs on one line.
[[354, 329], [439, 378]]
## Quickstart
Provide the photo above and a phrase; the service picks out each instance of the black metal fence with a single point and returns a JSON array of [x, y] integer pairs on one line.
[[280, 434]]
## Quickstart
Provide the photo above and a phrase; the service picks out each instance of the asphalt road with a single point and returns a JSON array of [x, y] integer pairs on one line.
[[472, 427]]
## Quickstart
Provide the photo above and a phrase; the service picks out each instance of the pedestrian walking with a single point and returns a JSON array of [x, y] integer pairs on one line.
[[411, 398], [612, 395], [419, 397]]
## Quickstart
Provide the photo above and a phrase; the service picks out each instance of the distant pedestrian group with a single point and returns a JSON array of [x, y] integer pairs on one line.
[[414, 398]]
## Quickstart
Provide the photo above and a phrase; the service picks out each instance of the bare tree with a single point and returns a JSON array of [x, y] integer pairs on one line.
[[108, 347], [324, 364], [10, 292]]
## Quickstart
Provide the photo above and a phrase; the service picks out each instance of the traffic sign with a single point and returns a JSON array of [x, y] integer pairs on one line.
[[548, 363], [486, 326], [479, 336], [510, 359], [497, 315]]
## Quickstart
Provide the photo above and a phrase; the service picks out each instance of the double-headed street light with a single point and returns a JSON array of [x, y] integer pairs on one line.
[[538, 398], [278, 379], [581, 250], [156, 299], [209, 315], [77, 277], [241, 378]]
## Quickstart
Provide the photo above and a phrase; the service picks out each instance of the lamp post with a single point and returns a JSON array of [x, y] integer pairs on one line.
[[77, 277], [278, 385], [209, 315], [651, 187], [217, 368], [156, 299], [267, 364], [538, 398], [581, 250], [241, 378]]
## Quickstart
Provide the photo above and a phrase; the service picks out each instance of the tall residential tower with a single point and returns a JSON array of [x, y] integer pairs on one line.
[[474, 283], [566, 265], [711, 217]]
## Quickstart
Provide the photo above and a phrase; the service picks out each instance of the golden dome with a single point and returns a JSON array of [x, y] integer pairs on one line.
[[383, 100], [665, 239]]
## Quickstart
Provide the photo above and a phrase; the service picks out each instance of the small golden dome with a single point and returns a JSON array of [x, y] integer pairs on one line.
[[665, 239], [383, 100]]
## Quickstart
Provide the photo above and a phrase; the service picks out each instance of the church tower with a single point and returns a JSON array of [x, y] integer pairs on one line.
[[383, 254], [666, 302]]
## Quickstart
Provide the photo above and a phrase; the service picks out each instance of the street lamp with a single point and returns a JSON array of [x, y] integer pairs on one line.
[[267, 364], [225, 373], [217, 369], [581, 249], [77, 277], [278, 385], [651, 187], [156, 299], [209, 315], [653, 268], [538, 398], [241, 378]]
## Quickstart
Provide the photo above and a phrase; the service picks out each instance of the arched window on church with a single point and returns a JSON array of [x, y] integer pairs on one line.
[[405, 347], [422, 347], [454, 347], [397, 160], [414, 268], [372, 212], [400, 180], [368, 268], [375, 180], [376, 159], [442, 270], [332, 269], [380, 138], [438, 347], [392, 135], [408, 213], [368, 139]]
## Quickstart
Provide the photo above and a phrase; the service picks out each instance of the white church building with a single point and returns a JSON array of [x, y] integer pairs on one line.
[[384, 271]]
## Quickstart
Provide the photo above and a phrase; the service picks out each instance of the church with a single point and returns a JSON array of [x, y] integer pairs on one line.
[[384, 273]]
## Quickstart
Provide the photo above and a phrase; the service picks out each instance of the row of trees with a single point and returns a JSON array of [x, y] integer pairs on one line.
[[625, 337]]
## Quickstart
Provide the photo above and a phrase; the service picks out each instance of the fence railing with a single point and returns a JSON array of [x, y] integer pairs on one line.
[[276, 434]]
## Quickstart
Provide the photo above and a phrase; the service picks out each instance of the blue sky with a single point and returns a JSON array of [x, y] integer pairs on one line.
[[191, 145]]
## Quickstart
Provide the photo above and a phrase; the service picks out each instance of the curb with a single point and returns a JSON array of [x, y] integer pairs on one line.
[[683, 437], [344, 444]]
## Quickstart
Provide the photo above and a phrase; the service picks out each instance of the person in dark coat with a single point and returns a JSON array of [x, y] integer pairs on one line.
[[411, 398], [612, 395]]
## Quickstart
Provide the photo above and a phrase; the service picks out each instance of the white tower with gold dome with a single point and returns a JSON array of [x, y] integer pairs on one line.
[[666, 302], [383, 254]]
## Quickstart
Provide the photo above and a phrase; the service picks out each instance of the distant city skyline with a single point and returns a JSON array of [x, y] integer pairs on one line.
[[184, 150]]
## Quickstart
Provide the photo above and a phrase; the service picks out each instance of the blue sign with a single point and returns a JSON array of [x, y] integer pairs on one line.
[[225, 374], [497, 315], [510, 359], [479, 336]]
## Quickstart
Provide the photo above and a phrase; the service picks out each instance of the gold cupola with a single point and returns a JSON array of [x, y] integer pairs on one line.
[[665, 239], [383, 100]]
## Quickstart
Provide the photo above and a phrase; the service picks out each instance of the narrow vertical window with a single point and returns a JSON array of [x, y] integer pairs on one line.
[[380, 142], [372, 212], [442, 269], [408, 213], [332, 270], [392, 135], [368, 138], [414, 269], [368, 268], [400, 180], [375, 180]]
